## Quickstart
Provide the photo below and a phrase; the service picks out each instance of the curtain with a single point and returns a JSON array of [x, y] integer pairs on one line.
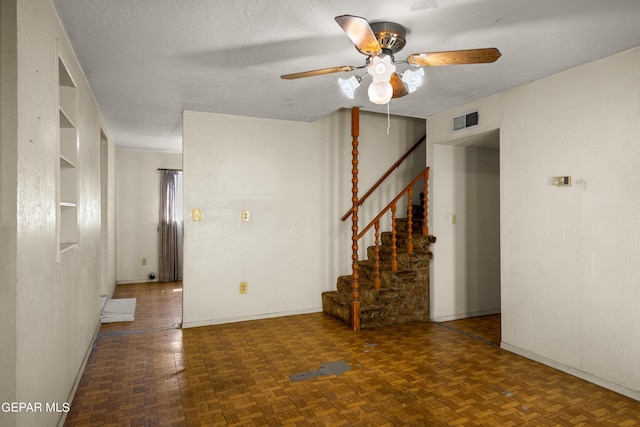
[[170, 226]]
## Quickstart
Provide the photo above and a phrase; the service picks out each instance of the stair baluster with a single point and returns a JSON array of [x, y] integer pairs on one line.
[[410, 221], [355, 303], [377, 251], [394, 252], [425, 204]]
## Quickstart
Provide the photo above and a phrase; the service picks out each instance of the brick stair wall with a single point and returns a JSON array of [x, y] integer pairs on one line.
[[403, 295]]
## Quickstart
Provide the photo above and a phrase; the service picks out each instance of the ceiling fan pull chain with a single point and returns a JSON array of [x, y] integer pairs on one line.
[[388, 119]]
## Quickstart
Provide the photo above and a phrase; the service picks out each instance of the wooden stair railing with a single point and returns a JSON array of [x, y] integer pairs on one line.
[[408, 190], [385, 175], [356, 235]]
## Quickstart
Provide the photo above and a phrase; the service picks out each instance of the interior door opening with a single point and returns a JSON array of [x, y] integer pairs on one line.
[[466, 221]]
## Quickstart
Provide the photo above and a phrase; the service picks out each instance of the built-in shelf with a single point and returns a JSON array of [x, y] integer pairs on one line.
[[65, 121], [64, 78], [67, 161], [67, 105], [67, 246]]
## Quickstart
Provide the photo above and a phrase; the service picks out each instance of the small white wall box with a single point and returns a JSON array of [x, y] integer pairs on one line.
[[562, 181]]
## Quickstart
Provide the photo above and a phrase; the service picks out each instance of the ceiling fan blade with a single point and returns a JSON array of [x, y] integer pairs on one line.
[[319, 72], [398, 87], [455, 57], [360, 33]]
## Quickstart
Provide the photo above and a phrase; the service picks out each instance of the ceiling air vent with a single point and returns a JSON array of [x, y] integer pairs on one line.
[[465, 121]]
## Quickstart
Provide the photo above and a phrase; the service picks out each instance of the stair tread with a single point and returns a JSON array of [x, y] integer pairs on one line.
[[338, 300], [361, 280], [402, 250], [415, 235], [387, 266]]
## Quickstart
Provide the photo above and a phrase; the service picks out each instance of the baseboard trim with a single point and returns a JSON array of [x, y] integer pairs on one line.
[[466, 315], [76, 382], [620, 389], [210, 322], [128, 282]]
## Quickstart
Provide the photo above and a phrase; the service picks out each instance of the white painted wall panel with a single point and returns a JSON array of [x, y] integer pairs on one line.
[[8, 202], [57, 305], [571, 286], [109, 220]]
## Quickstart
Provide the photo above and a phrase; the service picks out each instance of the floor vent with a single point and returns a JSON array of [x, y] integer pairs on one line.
[[465, 121]]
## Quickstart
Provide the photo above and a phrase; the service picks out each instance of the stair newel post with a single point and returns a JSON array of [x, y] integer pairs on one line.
[[425, 204], [377, 251], [394, 254], [355, 302], [410, 222]]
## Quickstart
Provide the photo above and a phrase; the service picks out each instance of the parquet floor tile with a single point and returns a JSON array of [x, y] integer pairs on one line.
[[421, 374], [158, 306], [485, 328]]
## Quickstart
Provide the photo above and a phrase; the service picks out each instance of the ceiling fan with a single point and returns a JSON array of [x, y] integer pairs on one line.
[[379, 42]]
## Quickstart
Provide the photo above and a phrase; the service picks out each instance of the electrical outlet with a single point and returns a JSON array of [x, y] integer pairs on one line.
[[245, 216], [144, 261], [244, 287]]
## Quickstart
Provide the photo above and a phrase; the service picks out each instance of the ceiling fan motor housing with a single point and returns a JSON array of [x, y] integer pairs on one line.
[[390, 36]]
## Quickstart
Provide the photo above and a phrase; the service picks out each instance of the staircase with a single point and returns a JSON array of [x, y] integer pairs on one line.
[[403, 295], [392, 285]]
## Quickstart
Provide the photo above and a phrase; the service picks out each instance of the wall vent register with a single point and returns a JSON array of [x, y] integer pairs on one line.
[[465, 121]]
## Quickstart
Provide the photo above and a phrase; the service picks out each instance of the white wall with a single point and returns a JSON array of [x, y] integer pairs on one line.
[[466, 267], [570, 286], [8, 203], [570, 278], [138, 204], [108, 183], [295, 179], [52, 309]]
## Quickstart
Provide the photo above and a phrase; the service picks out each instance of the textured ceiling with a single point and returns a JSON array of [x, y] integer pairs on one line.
[[148, 60]]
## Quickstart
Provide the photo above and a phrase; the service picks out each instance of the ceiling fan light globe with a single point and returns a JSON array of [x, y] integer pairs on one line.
[[380, 92], [381, 68], [413, 79], [349, 86]]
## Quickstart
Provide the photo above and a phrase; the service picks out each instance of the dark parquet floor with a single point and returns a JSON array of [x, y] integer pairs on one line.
[[484, 328], [148, 373]]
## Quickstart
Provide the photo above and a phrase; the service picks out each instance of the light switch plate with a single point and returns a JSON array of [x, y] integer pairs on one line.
[[196, 215], [562, 181]]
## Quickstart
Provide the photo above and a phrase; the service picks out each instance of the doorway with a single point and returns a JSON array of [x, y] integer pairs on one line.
[[466, 221]]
